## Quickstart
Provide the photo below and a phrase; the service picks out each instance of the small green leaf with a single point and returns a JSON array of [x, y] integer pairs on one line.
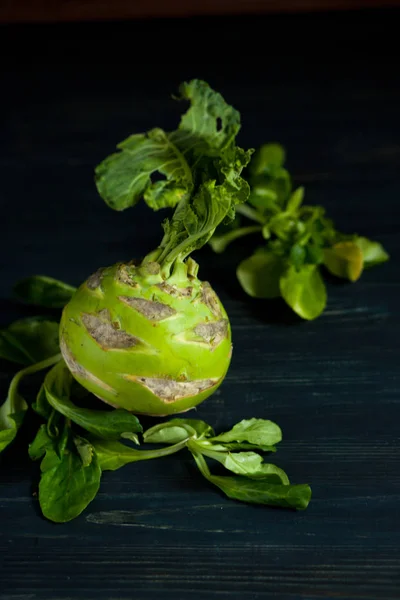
[[85, 450], [41, 443], [63, 438], [241, 463], [29, 340], [264, 198], [344, 259], [260, 432], [132, 437], [270, 190], [44, 291], [67, 486], [260, 273], [304, 291], [165, 434], [282, 225], [266, 232], [314, 254], [295, 200], [12, 414], [257, 491], [105, 424], [272, 473], [249, 464], [260, 491], [177, 430], [373, 253], [267, 156], [297, 255]]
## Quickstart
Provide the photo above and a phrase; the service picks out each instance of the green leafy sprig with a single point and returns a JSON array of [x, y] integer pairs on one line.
[[298, 240]]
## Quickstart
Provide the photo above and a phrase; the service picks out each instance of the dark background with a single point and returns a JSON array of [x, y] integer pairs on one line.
[[20, 11], [327, 87]]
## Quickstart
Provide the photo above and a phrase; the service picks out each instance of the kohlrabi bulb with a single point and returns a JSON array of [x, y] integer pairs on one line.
[[144, 343]]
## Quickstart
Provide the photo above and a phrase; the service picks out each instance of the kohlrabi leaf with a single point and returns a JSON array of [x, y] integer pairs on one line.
[[304, 291], [373, 253], [209, 126], [29, 340], [105, 424], [44, 291], [201, 168], [257, 491], [195, 221], [229, 169], [124, 178], [259, 275], [206, 130], [344, 259], [259, 432]]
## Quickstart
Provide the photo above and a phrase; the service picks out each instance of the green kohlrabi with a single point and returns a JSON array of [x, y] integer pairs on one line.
[[149, 336], [146, 336]]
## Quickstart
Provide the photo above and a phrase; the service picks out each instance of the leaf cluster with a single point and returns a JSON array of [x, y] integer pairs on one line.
[[299, 240], [195, 169]]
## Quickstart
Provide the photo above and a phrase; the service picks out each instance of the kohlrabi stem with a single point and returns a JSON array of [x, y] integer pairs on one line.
[[152, 256], [39, 366]]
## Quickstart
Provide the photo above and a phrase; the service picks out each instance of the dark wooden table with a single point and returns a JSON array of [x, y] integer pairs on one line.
[[328, 88]]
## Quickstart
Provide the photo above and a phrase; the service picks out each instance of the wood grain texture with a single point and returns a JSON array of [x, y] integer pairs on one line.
[[50, 11], [157, 530]]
